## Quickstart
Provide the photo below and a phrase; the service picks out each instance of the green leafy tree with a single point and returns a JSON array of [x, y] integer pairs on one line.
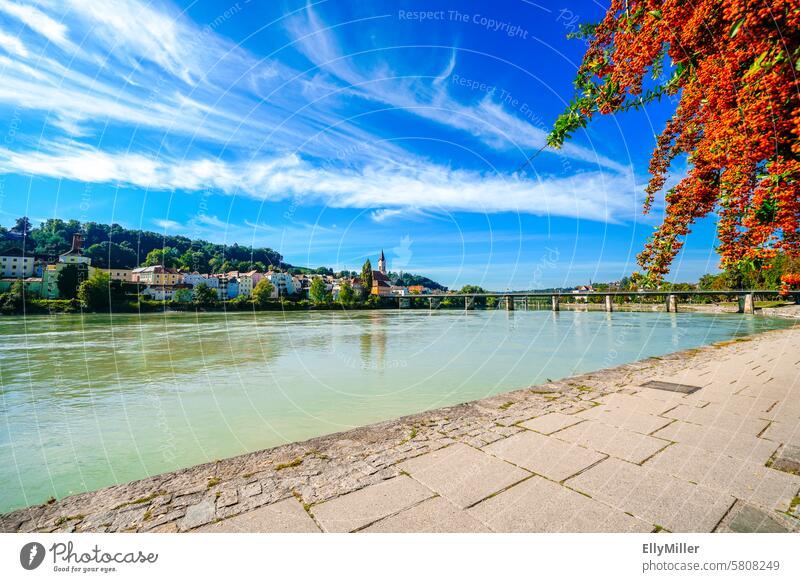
[[108, 255], [204, 296], [366, 277], [193, 260], [13, 299], [346, 294], [94, 293], [262, 292], [318, 292], [166, 256], [182, 295], [472, 289], [69, 279]]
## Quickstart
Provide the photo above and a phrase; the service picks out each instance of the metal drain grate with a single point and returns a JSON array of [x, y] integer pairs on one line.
[[671, 387]]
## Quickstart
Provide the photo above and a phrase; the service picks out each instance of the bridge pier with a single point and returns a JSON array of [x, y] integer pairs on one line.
[[469, 303], [554, 302], [747, 304], [672, 303], [403, 302], [609, 304], [509, 303]]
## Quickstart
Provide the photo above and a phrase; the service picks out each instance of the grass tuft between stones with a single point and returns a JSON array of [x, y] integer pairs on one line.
[[293, 463]]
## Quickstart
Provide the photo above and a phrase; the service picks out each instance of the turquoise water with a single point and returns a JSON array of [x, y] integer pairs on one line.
[[92, 401]]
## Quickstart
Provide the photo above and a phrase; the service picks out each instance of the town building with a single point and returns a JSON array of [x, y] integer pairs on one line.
[[222, 285], [74, 255], [119, 274], [233, 288], [15, 265], [381, 285], [156, 275], [163, 292], [283, 284]]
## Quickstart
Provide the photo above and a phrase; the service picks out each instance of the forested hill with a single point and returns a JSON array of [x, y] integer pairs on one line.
[[113, 246], [116, 247]]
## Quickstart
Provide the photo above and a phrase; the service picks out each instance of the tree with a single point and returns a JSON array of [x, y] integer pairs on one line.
[[262, 292], [69, 279], [366, 277], [22, 227], [737, 117], [182, 295], [193, 260], [346, 294], [108, 255], [167, 256], [94, 293], [13, 299], [204, 296], [318, 292], [472, 289]]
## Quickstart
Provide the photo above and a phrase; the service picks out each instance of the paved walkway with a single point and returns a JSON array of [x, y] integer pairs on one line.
[[599, 452]]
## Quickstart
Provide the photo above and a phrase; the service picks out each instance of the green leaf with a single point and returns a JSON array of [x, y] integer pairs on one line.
[[736, 26], [655, 14]]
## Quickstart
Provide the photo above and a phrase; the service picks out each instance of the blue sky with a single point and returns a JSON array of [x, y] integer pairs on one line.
[[328, 131]]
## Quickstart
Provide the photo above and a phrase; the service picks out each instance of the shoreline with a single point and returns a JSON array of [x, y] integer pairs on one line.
[[787, 311], [323, 468]]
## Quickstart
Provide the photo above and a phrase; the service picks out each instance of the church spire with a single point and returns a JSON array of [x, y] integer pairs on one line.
[[382, 263]]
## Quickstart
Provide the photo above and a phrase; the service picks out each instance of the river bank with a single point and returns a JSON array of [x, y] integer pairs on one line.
[[315, 481], [442, 302]]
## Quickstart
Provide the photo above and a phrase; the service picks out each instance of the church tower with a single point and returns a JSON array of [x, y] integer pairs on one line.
[[382, 263]]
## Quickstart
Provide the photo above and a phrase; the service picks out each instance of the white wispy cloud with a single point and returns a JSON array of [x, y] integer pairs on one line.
[[422, 185], [429, 97], [12, 44], [38, 21]]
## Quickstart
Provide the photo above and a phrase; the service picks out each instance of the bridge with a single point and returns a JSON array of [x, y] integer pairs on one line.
[[746, 298]]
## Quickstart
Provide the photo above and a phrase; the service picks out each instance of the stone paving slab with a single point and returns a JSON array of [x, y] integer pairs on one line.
[[714, 416], [775, 390], [787, 459], [786, 411], [539, 505], [463, 475], [664, 396], [544, 455], [636, 403], [737, 445], [285, 516], [365, 506], [783, 432], [611, 440], [550, 423], [655, 497], [744, 518], [633, 420], [745, 480], [435, 515]]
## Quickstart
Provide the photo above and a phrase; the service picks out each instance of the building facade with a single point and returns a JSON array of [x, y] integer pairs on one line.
[[119, 274], [16, 266], [156, 275]]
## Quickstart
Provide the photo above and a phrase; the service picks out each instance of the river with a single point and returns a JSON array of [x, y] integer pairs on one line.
[[89, 401]]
